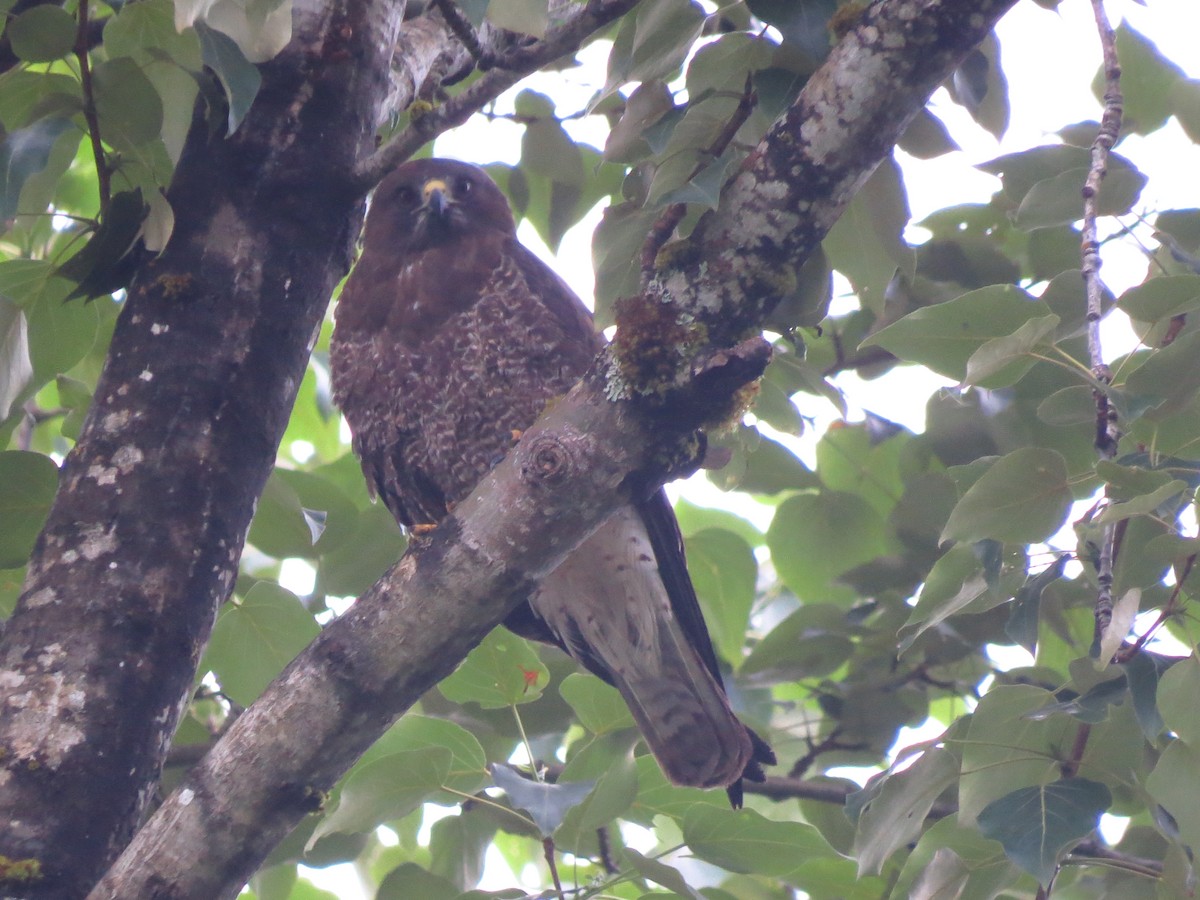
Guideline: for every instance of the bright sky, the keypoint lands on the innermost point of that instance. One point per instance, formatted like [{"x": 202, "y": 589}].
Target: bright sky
[{"x": 1050, "y": 59}]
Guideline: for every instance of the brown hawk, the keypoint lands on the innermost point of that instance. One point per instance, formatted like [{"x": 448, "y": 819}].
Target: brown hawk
[{"x": 451, "y": 337}]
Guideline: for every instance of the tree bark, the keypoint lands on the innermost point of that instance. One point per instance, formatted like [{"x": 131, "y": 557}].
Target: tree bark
[
  {"x": 143, "y": 541},
  {"x": 567, "y": 473}
]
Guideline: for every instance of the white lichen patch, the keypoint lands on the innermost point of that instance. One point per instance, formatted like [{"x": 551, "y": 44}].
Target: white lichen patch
[
  {"x": 102, "y": 474},
  {"x": 158, "y": 328},
  {"x": 40, "y": 729},
  {"x": 97, "y": 541},
  {"x": 51, "y": 655},
  {"x": 115, "y": 421},
  {"x": 46, "y": 595},
  {"x": 146, "y": 375},
  {"x": 10, "y": 679},
  {"x": 127, "y": 457}
]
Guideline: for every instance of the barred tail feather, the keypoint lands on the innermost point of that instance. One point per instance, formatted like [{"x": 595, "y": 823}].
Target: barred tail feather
[{"x": 609, "y": 607}]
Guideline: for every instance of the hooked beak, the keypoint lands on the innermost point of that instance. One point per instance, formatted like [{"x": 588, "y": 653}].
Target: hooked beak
[{"x": 436, "y": 196}]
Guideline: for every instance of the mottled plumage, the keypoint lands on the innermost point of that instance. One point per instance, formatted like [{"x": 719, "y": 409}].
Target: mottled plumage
[{"x": 450, "y": 337}]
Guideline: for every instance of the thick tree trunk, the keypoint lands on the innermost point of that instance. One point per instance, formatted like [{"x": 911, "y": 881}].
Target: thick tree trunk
[{"x": 143, "y": 541}]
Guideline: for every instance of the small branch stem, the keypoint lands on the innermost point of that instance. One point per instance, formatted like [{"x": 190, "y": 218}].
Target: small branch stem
[
  {"x": 548, "y": 848},
  {"x": 465, "y": 32},
  {"x": 664, "y": 225},
  {"x": 103, "y": 175},
  {"x": 560, "y": 40},
  {"x": 1107, "y": 428}
]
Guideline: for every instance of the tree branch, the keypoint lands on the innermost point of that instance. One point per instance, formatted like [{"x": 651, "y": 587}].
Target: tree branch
[
  {"x": 567, "y": 473},
  {"x": 565, "y": 38}
]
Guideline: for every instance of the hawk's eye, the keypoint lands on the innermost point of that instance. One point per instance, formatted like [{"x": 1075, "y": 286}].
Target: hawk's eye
[
  {"x": 464, "y": 186},
  {"x": 406, "y": 195}
]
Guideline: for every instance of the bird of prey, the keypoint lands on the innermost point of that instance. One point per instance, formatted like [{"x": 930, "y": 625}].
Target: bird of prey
[{"x": 450, "y": 338}]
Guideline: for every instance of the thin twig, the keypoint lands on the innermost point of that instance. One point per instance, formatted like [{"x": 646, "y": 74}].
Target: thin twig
[
  {"x": 548, "y": 848},
  {"x": 1107, "y": 427},
  {"x": 604, "y": 852},
  {"x": 1110, "y": 128},
  {"x": 465, "y": 32},
  {"x": 103, "y": 174},
  {"x": 664, "y": 225},
  {"x": 563, "y": 39}
]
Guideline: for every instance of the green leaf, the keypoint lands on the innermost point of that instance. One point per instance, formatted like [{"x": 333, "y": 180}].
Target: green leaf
[
  {"x": 867, "y": 243},
  {"x": 896, "y": 814},
  {"x": 598, "y": 706},
  {"x": 60, "y": 334},
  {"x": 1004, "y": 750},
  {"x": 1003, "y": 361},
  {"x": 409, "y": 880},
  {"x": 980, "y": 87},
  {"x": 128, "y": 106},
  {"x": 1178, "y": 689},
  {"x": 373, "y": 544},
  {"x": 503, "y": 670},
  {"x": 1147, "y": 78},
  {"x": 723, "y": 64},
  {"x": 857, "y": 460},
  {"x": 457, "y": 845},
  {"x": 744, "y": 841},
  {"x": 42, "y": 34},
  {"x": 1057, "y": 200},
  {"x": 953, "y": 585},
  {"x": 1185, "y": 102},
  {"x": 616, "y": 254},
  {"x": 804, "y": 26},
  {"x": 25, "y": 152},
  {"x": 1023, "y": 498},
  {"x": 16, "y": 371},
  {"x": 411, "y": 764},
  {"x": 816, "y": 537},
  {"x": 1072, "y": 405},
  {"x": 151, "y": 24},
  {"x": 1037, "y": 825},
  {"x": 926, "y": 137},
  {"x": 657, "y": 796},
  {"x": 1143, "y": 672},
  {"x": 660, "y": 873},
  {"x": 281, "y": 526},
  {"x": 812, "y": 642},
  {"x": 1092, "y": 706},
  {"x": 525, "y": 16},
  {"x": 1022, "y": 625},
  {"x": 389, "y": 787},
  {"x": 468, "y": 768},
  {"x": 607, "y": 761},
  {"x": 652, "y": 43},
  {"x": 239, "y": 77},
  {"x": 945, "y": 336},
  {"x": 1153, "y": 303},
  {"x": 1169, "y": 379},
  {"x": 254, "y": 638},
  {"x": 1175, "y": 784},
  {"x": 952, "y": 861},
  {"x": 724, "y": 573},
  {"x": 1147, "y": 504},
  {"x": 27, "y": 485}
]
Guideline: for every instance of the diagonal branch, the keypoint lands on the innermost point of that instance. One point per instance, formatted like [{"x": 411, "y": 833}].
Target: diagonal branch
[
  {"x": 567, "y": 473},
  {"x": 563, "y": 39}
]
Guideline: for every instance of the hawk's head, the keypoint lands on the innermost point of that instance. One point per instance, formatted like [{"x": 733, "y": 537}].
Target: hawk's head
[{"x": 429, "y": 202}]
